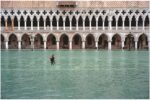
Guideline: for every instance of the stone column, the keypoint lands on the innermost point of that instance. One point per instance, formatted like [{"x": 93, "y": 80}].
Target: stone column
[
  {"x": 143, "y": 24},
  {"x": 96, "y": 44},
  {"x": 64, "y": 25},
  {"x": 57, "y": 45},
  {"x": 31, "y": 24},
  {"x": 12, "y": 24},
  {"x": 103, "y": 26},
  {"x": 122, "y": 44},
  {"x": 44, "y": 44},
  {"x": 38, "y": 25},
  {"x": 57, "y": 25},
  {"x": 83, "y": 24},
  {"x": 117, "y": 25},
  {"x": 44, "y": 24},
  {"x": 18, "y": 24},
  {"x": 77, "y": 25},
  {"x": 109, "y": 45},
  {"x": 135, "y": 45},
  {"x": 136, "y": 24},
  {"x": 70, "y": 25},
  {"x": 83, "y": 44},
  {"x": 19, "y": 44},
  {"x": 70, "y": 45},
  {"x": 6, "y": 26},
  {"x": 90, "y": 24},
  {"x": 110, "y": 21},
  {"x": 123, "y": 25},
  {"x": 129, "y": 24},
  {"x": 51, "y": 25},
  {"x": 149, "y": 45},
  {"x": 96, "y": 24},
  {"x": 25, "y": 24},
  {"x": 6, "y": 44}
]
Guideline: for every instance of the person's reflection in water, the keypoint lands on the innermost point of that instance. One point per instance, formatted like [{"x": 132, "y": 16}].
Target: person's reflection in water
[{"x": 52, "y": 59}]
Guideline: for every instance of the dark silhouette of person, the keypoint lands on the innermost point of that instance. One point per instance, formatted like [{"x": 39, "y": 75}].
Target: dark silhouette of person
[{"x": 52, "y": 59}]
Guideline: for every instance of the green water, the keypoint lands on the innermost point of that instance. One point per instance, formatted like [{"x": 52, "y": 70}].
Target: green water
[{"x": 76, "y": 74}]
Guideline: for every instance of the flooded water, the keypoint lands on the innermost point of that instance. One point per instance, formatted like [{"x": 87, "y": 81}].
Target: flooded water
[{"x": 84, "y": 74}]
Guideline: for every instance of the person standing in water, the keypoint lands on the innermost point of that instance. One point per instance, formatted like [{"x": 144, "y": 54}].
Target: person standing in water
[{"x": 52, "y": 59}]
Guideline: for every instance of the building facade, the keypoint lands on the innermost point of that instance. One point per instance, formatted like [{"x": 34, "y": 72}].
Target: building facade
[{"x": 75, "y": 25}]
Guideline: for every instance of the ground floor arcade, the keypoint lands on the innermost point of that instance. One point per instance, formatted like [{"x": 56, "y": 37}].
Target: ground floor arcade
[{"x": 75, "y": 41}]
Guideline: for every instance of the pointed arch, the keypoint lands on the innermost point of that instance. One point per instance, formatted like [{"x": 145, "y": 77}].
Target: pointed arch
[
  {"x": 93, "y": 21},
  {"x": 28, "y": 22},
  {"x": 13, "y": 42},
  {"x": 127, "y": 21},
  {"x": 80, "y": 21},
  {"x": 47, "y": 21},
  {"x": 77, "y": 42},
  {"x": 67, "y": 21},
  {"x": 41, "y": 22},
  {"x": 34, "y": 21},
  {"x": 73, "y": 21},
  {"x": 140, "y": 21},
  {"x": 15, "y": 21},
  {"x": 100, "y": 21},
  {"x": 2, "y": 21},
  {"x": 133, "y": 21},
  {"x": 146, "y": 21},
  {"x": 120, "y": 21},
  {"x": 54, "y": 21},
  {"x": 129, "y": 42},
  {"x": 90, "y": 42},
  {"x": 25, "y": 41},
  {"x": 87, "y": 22},
  {"x": 103, "y": 41},
  {"x": 113, "y": 21},
  {"x": 22, "y": 21},
  {"x": 143, "y": 42},
  {"x": 64, "y": 42},
  {"x": 116, "y": 42},
  {"x": 60, "y": 21},
  {"x": 38, "y": 41},
  {"x": 9, "y": 22},
  {"x": 51, "y": 42},
  {"x": 106, "y": 21}
]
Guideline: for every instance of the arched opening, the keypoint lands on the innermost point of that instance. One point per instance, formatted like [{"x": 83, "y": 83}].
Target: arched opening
[
  {"x": 77, "y": 42},
  {"x": 113, "y": 21},
  {"x": 47, "y": 21},
  {"x": 34, "y": 21},
  {"x": 64, "y": 42},
  {"x": 51, "y": 42},
  {"x": 22, "y": 21},
  {"x": 116, "y": 42},
  {"x": 129, "y": 42},
  {"x": 13, "y": 42},
  {"x": 100, "y": 21},
  {"x": 146, "y": 21},
  {"x": 60, "y": 21},
  {"x": 133, "y": 22},
  {"x": 127, "y": 21},
  {"x": 90, "y": 42},
  {"x": 2, "y": 42},
  {"x": 28, "y": 22},
  {"x": 67, "y": 22},
  {"x": 80, "y": 21},
  {"x": 54, "y": 21},
  {"x": 87, "y": 21},
  {"x": 15, "y": 21},
  {"x": 25, "y": 42},
  {"x": 93, "y": 21},
  {"x": 140, "y": 21},
  {"x": 38, "y": 41},
  {"x": 2, "y": 21},
  {"x": 74, "y": 21},
  {"x": 143, "y": 42},
  {"x": 106, "y": 21},
  {"x": 9, "y": 22},
  {"x": 103, "y": 42},
  {"x": 41, "y": 23},
  {"x": 120, "y": 21}
]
